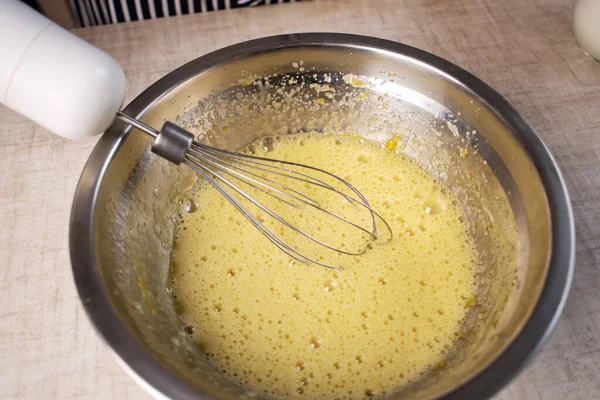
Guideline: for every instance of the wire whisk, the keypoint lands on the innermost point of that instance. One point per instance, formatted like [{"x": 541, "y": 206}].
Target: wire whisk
[{"x": 303, "y": 188}]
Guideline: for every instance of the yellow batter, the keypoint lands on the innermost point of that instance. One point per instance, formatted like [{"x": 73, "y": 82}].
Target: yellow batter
[{"x": 307, "y": 332}]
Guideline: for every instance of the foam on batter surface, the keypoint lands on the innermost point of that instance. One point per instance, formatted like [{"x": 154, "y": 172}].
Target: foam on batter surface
[{"x": 301, "y": 331}]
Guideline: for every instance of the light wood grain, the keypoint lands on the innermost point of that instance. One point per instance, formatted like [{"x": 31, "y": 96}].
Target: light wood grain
[{"x": 524, "y": 49}]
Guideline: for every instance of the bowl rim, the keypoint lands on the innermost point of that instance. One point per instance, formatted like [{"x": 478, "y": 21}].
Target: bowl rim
[{"x": 159, "y": 380}]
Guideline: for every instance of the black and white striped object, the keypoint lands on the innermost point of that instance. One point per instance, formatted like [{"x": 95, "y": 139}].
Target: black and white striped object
[{"x": 102, "y": 12}]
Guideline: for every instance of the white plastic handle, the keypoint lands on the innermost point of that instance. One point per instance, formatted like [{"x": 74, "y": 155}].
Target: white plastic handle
[{"x": 54, "y": 78}]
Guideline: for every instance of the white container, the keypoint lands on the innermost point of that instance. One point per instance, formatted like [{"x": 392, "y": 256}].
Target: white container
[
  {"x": 55, "y": 78},
  {"x": 586, "y": 26}
]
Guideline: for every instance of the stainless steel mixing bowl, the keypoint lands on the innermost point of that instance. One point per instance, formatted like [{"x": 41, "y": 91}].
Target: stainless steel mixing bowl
[{"x": 458, "y": 128}]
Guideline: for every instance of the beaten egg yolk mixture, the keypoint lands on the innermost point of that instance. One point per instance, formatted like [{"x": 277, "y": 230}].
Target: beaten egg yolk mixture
[{"x": 301, "y": 331}]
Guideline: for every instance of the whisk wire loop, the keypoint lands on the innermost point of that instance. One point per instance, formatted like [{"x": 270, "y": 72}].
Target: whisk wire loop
[{"x": 230, "y": 169}]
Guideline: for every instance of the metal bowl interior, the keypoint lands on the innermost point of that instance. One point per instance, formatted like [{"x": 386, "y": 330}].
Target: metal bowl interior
[{"x": 457, "y": 127}]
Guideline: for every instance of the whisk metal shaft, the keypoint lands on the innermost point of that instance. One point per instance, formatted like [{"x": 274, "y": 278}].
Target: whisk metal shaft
[
  {"x": 137, "y": 124},
  {"x": 228, "y": 172}
]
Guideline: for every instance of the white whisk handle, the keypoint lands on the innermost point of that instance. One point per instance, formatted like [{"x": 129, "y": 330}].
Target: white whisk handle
[{"x": 54, "y": 78}]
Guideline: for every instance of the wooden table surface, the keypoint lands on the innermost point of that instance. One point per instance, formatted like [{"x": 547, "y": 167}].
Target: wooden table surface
[{"x": 524, "y": 49}]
